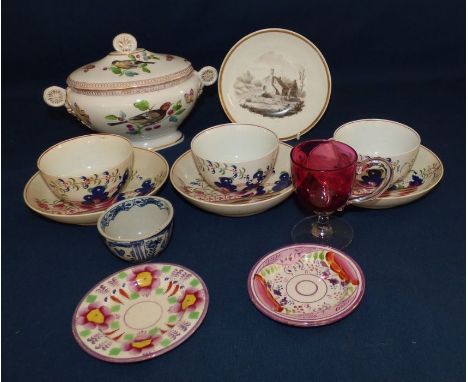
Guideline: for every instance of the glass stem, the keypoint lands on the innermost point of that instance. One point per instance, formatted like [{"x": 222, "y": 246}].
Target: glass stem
[{"x": 322, "y": 228}]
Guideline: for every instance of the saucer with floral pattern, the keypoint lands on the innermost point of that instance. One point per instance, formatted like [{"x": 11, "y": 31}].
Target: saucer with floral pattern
[
  {"x": 425, "y": 174},
  {"x": 306, "y": 285},
  {"x": 189, "y": 183},
  {"x": 140, "y": 312},
  {"x": 150, "y": 171}
]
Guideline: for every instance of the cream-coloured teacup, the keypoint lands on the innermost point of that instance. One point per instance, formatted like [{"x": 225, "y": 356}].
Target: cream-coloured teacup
[
  {"x": 88, "y": 170},
  {"x": 394, "y": 141},
  {"x": 235, "y": 157}
]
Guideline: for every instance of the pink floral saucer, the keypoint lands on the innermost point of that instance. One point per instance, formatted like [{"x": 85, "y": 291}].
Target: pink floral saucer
[
  {"x": 150, "y": 171},
  {"x": 306, "y": 285},
  {"x": 140, "y": 312}
]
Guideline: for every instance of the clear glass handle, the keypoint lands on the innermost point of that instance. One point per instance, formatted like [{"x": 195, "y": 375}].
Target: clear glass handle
[{"x": 384, "y": 185}]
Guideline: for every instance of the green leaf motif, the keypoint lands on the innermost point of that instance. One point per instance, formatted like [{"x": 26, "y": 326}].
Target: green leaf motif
[
  {"x": 177, "y": 106},
  {"x": 180, "y": 111},
  {"x": 321, "y": 256},
  {"x": 145, "y": 69},
  {"x": 91, "y": 298},
  {"x": 132, "y": 57},
  {"x": 114, "y": 351},
  {"x": 172, "y": 300},
  {"x": 142, "y": 105},
  {"x": 172, "y": 319},
  {"x": 129, "y": 73},
  {"x": 116, "y": 70},
  {"x": 195, "y": 282},
  {"x": 159, "y": 291},
  {"x": 115, "y": 308},
  {"x": 194, "y": 315},
  {"x": 128, "y": 337},
  {"x": 85, "y": 333},
  {"x": 111, "y": 117},
  {"x": 122, "y": 275},
  {"x": 134, "y": 296},
  {"x": 166, "y": 269},
  {"x": 115, "y": 325},
  {"x": 165, "y": 342},
  {"x": 153, "y": 331}
]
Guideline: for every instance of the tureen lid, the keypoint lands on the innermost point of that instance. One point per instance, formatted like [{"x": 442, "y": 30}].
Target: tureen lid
[{"x": 129, "y": 67}]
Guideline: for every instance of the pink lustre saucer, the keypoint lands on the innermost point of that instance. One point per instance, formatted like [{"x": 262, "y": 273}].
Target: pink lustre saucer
[
  {"x": 140, "y": 312},
  {"x": 150, "y": 171},
  {"x": 306, "y": 285}
]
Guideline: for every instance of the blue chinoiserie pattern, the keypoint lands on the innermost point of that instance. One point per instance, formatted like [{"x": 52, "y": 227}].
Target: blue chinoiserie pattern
[{"x": 140, "y": 250}]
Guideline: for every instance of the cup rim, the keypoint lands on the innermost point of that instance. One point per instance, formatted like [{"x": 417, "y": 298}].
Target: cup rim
[
  {"x": 275, "y": 148},
  {"x": 344, "y": 125},
  {"x": 156, "y": 231},
  {"x": 41, "y": 156},
  {"x": 318, "y": 170}
]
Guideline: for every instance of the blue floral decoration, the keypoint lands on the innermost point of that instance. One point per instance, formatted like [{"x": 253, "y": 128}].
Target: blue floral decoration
[
  {"x": 98, "y": 195},
  {"x": 283, "y": 182},
  {"x": 415, "y": 181},
  {"x": 372, "y": 178},
  {"x": 146, "y": 187},
  {"x": 225, "y": 182}
]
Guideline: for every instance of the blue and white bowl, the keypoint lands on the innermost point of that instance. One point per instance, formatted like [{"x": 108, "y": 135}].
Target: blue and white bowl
[{"x": 137, "y": 229}]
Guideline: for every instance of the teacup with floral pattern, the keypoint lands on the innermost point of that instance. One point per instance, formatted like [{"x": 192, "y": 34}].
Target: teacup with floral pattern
[
  {"x": 397, "y": 143},
  {"x": 235, "y": 157},
  {"x": 87, "y": 170}
]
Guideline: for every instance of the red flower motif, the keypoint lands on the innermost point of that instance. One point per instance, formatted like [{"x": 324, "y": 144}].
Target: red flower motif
[
  {"x": 144, "y": 279},
  {"x": 95, "y": 316},
  {"x": 188, "y": 302},
  {"x": 141, "y": 343},
  {"x": 42, "y": 205}
]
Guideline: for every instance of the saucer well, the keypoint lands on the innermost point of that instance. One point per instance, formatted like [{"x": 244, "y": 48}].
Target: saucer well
[
  {"x": 140, "y": 312},
  {"x": 275, "y": 78},
  {"x": 306, "y": 285},
  {"x": 426, "y": 173},
  {"x": 150, "y": 171},
  {"x": 188, "y": 182}
]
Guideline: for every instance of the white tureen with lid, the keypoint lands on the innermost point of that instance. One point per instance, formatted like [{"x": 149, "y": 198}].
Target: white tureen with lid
[{"x": 133, "y": 92}]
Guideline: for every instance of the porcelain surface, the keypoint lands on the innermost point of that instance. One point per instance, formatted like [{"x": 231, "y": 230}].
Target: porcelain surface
[
  {"x": 89, "y": 169},
  {"x": 188, "y": 182},
  {"x": 275, "y": 78},
  {"x": 139, "y": 94},
  {"x": 235, "y": 157},
  {"x": 137, "y": 229},
  {"x": 149, "y": 173},
  {"x": 393, "y": 141},
  {"x": 306, "y": 285},
  {"x": 426, "y": 173},
  {"x": 140, "y": 312}
]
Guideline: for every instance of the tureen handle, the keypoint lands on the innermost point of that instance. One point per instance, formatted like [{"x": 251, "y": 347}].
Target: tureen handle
[
  {"x": 208, "y": 75},
  {"x": 55, "y": 96}
]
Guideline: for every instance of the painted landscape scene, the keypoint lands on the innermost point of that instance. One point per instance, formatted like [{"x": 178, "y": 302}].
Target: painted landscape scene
[{"x": 273, "y": 87}]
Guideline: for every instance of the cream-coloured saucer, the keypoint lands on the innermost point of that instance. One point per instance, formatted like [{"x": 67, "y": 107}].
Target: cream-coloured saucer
[
  {"x": 150, "y": 171},
  {"x": 426, "y": 173},
  {"x": 275, "y": 78},
  {"x": 189, "y": 183}
]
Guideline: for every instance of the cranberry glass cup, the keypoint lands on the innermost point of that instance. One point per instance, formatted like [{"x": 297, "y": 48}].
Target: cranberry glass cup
[{"x": 323, "y": 173}]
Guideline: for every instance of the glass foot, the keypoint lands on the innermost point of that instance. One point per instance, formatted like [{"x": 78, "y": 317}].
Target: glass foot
[{"x": 338, "y": 233}]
